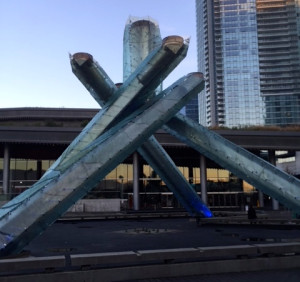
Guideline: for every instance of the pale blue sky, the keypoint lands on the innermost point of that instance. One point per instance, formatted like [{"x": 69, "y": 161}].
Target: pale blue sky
[{"x": 37, "y": 35}]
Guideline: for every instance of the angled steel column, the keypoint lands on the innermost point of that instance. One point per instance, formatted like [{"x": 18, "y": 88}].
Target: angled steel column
[
  {"x": 160, "y": 161},
  {"x": 158, "y": 64},
  {"x": 148, "y": 75},
  {"x": 283, "y": 187},
  {"x": 151, "y": 150},
  {"x": 21, "y": 221},
  {"x": 93, "y": 77},
  {"x": 140, "y": 37}
]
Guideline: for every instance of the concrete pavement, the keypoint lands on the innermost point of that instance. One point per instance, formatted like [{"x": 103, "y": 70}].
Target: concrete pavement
[
  {"x": 131, "y": 234},
  {"x": 144, "y": 231}
]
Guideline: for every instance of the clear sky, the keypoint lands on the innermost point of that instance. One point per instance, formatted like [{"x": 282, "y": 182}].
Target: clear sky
[{"x": 36, "y": 37}]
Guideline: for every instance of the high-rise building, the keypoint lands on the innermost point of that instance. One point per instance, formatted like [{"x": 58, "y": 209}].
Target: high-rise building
[
  {"x": 279, "y": 60},
  {"x": 191, "y": 109},
  {"x": 249, "y": 52}
]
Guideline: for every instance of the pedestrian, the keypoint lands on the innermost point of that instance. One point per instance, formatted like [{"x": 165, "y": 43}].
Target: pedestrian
[{"x": 251, "y": 213}]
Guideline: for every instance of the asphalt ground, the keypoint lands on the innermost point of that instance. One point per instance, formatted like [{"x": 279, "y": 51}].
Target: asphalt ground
[
  {"x": 145, "y": 233},
  {"x": 98, "y": 236}
]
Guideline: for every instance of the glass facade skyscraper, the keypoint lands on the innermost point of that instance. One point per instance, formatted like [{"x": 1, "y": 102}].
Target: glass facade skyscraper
[
  {"x": 191, "y": 109},
  {"x": 278, "y": 41},
  {"x": 249, "y": 53}
]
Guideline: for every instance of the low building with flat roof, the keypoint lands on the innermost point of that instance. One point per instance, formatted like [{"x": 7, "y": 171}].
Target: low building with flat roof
[{"x": 31, "y": 139}]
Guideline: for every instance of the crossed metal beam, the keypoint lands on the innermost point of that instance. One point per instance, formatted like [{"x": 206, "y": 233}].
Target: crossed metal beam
[
  {"x": 100, "y": 86},
  {"x": 130, "y": 116},
  {"x": 261, "y": 174}
]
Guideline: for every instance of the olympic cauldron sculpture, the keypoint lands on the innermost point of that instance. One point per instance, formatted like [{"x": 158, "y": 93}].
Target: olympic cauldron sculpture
[{"x": 129, "y": 117}]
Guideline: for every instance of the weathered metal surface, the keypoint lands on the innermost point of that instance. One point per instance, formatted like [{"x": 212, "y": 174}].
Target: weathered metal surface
[
  {"x": 151, "y": 150},
  {"x": 35, "y": 209},
  {"x": 159, "y": 160},
  {"x": 141, "y": 36},
  {"x": 129, "y": 117},
  {"x": 157, "y": 65},
  {"x": 262, "y": 175},
  {"x": 93, "y": 77},
  {"x": 149, "y": 74}
]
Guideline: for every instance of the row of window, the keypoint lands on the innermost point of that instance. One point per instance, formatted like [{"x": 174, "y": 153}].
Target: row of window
[
  {"x": 24, "y": 173},
  {"x": 19, "y": 168}
]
